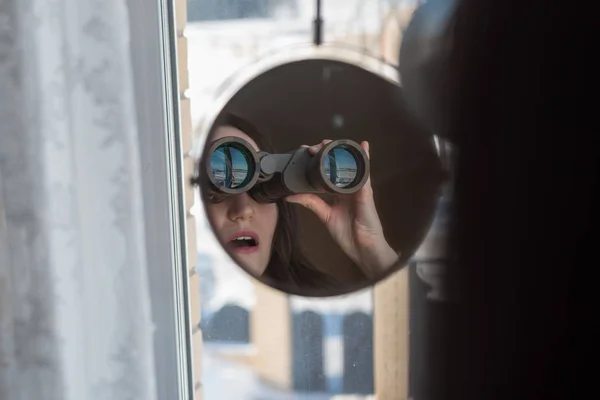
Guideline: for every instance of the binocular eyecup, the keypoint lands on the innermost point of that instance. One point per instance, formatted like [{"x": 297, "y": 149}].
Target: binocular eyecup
[{"x": 231, "y": 166}]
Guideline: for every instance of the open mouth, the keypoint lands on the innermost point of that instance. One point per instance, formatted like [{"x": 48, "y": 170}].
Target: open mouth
[{"x": 244, "y": 241}]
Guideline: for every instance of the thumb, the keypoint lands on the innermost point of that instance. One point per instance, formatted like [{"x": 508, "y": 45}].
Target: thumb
[{"x": 313, "y": 203}]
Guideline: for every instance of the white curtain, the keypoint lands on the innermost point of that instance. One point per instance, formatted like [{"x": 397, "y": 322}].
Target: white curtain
[{"x": 75, "y": 319}]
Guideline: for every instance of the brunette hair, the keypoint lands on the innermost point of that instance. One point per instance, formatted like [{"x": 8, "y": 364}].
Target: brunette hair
[{"x": 288, "y": 265}]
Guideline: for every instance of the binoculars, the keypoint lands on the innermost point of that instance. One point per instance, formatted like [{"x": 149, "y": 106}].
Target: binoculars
[{"x": 231, "y": 166}]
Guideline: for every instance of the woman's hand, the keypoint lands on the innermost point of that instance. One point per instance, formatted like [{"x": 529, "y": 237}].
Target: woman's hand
[{"x": 353, "y": 223}]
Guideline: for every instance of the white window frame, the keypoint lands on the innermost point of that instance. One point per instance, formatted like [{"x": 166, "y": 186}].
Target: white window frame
[{"x": 154, "y": 60}]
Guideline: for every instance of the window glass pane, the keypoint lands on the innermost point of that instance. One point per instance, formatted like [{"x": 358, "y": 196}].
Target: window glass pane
[{"x": 260, "y": 343}]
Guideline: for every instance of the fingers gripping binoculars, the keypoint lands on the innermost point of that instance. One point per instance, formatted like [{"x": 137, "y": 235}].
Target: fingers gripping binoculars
[{"x": 232, "y": 166}]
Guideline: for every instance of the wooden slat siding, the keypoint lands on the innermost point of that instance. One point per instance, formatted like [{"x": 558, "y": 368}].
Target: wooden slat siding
[
  {"x": 182, "y": 58},
  {"x": 273, "y": 359},
  {"x": 391, "y": 319},
  {"x": 192, "y": 253},
  {"x": 186, "y": 125}
]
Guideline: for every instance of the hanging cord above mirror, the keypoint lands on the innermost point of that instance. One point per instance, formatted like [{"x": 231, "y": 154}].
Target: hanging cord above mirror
[{"x": 318, "y": 25}]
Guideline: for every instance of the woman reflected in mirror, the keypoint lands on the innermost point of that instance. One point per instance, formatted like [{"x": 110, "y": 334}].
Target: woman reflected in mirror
[{"x": 263, "y": 237}]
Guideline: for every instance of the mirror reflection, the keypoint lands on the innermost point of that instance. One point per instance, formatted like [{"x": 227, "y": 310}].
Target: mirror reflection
[
  {"x": 229, "y": 167},
  {"x": 340, "y": 167},
  {"x": 253, "y": 209},
  {"x": 303, "y": 164}
]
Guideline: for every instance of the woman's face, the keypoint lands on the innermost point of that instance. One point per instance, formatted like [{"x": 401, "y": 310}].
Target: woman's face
[{"x": 244, "y": 226}]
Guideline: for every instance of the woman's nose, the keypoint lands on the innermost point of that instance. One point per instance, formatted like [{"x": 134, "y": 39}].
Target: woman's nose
[{"x": 241, "y": 207}]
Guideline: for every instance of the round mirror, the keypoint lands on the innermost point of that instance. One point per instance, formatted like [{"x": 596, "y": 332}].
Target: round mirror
[{"x": 315, "y": 177}]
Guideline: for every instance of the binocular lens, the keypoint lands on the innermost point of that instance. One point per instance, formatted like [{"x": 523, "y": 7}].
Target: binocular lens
[
  {"x": 231, "y": 167},
  {"x": 340, "y": 167}
]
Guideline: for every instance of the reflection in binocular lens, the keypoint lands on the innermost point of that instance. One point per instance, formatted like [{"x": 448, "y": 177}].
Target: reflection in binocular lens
[
  {"x": 229, "y": 167},
  {"x": 340, "y": 167}
]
